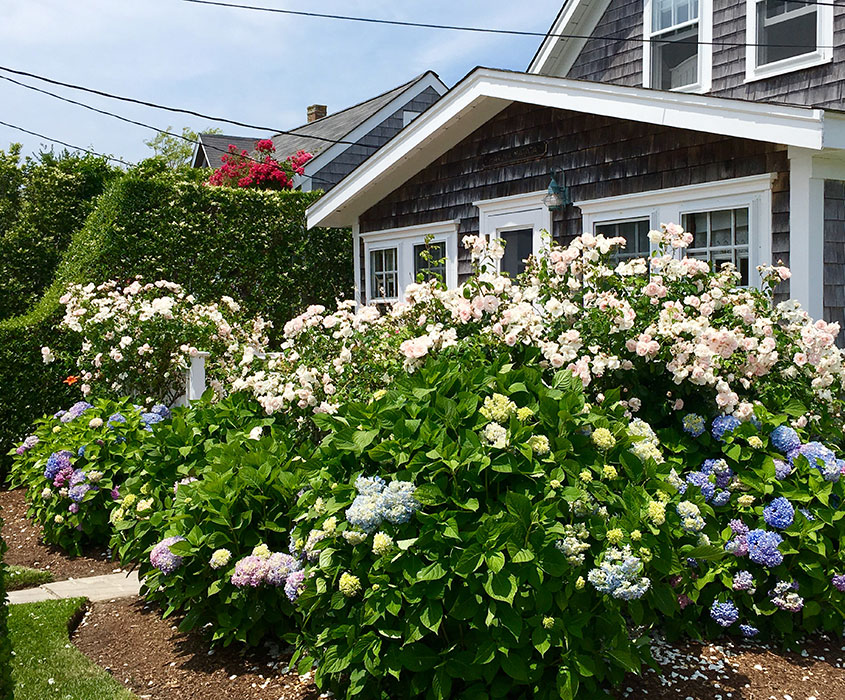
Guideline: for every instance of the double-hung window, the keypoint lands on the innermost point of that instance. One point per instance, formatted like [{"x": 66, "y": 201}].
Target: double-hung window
[
  {"x": 395, "y": 258},
  {"x": 787, "y": 35},
  {"x": 720, "y": 236},
  {"x": 634, "y": 231},
  {"x": 676, "y": 52}
]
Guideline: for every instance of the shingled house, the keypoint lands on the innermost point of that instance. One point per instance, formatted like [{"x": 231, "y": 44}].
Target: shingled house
[
  {"x": 718, "y": 115},
  {"x": 362, "y": 129}
]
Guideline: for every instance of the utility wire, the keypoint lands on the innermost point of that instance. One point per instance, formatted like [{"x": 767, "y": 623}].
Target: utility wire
[
  {"x": 509, "y": 32},
  {"x": 144, "y": 103},
  {"x": 64, "y": 143}
]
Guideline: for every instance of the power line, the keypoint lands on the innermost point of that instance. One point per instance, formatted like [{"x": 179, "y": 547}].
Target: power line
[
  {"x": 180, "y": 110},
  {"x": 64, "y": 143},
  {"x": 508, "y": 32}
]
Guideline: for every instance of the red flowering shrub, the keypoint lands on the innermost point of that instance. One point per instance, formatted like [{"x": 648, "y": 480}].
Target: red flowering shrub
[{"x": 262, "y": 172}]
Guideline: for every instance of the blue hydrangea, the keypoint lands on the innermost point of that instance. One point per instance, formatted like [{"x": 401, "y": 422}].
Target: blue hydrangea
[
  {"x": 377, "y": 501},
  {"x": 619, "y": 575},
  {"x": 367, "y": 485},
  {"x": 743, "y": 581},
  {"x": 116, "y": 419},
  {"x": 56, "y": 462},
  {"x": 784, "y": 439},
  {"x": 724, "y": 613},
  {"x": 77, "y": 477},
  {"x": 703, "y": 482},
  {"x": 763, "y": 547},
  {"x": 363, "y": 513},
  {"x": 81, "y": 451},
  {"x": 779, "y": 513},
  {"x": 150, "y": 419},
  {"x": 723, "y": 425},
  {"x": 806, "y": 513},
  {"x": 77, "y": 493},
  {"x": 161, "y": 410},
  {"x": 75, "y": 411},
  {"x": 782, "y": 469},
  {"x": 694, "y": 424},
  {"x": 749, "y": 631},
  {"x": 722, "y": 498},
  {"x": 397, "y": 503},
  {"x": 820, "y": 457}
]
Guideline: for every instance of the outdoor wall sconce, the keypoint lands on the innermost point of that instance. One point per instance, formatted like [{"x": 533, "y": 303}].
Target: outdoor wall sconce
[{"x": 558, "y": 197}]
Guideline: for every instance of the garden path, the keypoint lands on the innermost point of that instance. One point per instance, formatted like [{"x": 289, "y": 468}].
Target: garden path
[{"x": 94, "y": 588}]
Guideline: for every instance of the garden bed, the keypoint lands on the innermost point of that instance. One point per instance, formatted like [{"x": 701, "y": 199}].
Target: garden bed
[
  {"x": 154, "y": 660},
  {"x": 26, "y": 547}
]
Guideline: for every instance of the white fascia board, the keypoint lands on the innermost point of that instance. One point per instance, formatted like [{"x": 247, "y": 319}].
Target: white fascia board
[
  {"x": 558, "y": 53},
  {"x": 430, "y": 79},
  {"x": 834, "y": 130},
  {"x": 486, "y": 92}
]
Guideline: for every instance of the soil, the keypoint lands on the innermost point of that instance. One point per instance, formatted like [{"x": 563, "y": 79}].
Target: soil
[
  {"x": 740, "y": 670},
  {"x": 156, "y": 662},
  {"x": 27, "y": 549}
]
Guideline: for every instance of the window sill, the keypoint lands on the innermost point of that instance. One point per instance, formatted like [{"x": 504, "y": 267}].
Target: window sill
[{"x": 788, "y": 65}]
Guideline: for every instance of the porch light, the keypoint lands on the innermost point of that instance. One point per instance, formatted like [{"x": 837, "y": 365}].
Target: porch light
[{"x": 558, "y": 196}]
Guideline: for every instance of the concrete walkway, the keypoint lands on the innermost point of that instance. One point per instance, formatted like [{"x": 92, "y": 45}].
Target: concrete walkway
[{"x": 94, "y": 588}]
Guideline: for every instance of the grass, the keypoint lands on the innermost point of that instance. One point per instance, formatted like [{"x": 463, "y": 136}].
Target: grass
[
  {"x": 46, "y": 664},
  {"x": 18, "y": 577}
]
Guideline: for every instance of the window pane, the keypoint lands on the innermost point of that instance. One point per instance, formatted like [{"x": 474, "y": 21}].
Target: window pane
[
  {"x": 675, "y": 59},
  {"x": 784, "y": 29},
  {"x": 720, "y": 236},
  {"x": 635, "y": 233},
  {"x": 436, "y": 262},
  {"x": 721, "y": 228},
  {"x": 384, "y": 273},
  {"x": 518, "y": 246},
  {"x": 670, "y": 13}
]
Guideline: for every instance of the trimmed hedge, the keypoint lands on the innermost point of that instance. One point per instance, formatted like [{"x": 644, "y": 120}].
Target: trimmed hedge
[
  {"x": 251, "y": 245},
  {"x": 6, "y": 687}
]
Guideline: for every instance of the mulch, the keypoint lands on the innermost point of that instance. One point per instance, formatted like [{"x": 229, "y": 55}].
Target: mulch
[
  {"x": 150, "y": 657},
  {"x": 26, "y": 547}
]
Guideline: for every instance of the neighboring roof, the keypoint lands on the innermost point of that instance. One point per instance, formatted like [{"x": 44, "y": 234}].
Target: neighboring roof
[
  {"x": 485, "y": 92},
  {"x": 576, "y": 20},
  {"x": 215, "y": 146},
  {"x": 338, "y": 125}
]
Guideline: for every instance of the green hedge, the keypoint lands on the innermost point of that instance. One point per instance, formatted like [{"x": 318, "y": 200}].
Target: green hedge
[
  {"x": 6, "y": 689},
  {"x": 248, "y": 244}
]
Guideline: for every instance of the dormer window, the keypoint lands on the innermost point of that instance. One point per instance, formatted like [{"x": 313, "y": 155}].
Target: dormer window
[
  {"x": 676, "y": 55},
  {"x": 787, "y": 35}
]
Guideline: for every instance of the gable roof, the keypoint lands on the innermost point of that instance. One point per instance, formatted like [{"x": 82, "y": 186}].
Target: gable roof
[
  {"x": 486, "y": 92},
  {"x": 214, "y": 146},
  {"x": 338, "y": 125},
  {"x": 568, "y": 34}
]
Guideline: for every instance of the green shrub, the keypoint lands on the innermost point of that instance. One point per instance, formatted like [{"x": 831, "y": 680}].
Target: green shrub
[
  {"x": 473, "y": 596},
  {"x": 73, "y": 464},
  {"x": 6, "y": 686},
  {"x": 214, "y": 241},
  {"x": 225, "y": 489}
]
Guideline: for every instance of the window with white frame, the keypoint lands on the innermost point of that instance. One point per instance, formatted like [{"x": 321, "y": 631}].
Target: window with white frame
[
  {"x": 519, "y": 222},
  {"x": 787, "y": 35},
  {"x": 676, "y": 51},
  {"x": 394, "y": 258},
  {"x": 730, "y": 220},
  {"x": 635, "y": 233}
]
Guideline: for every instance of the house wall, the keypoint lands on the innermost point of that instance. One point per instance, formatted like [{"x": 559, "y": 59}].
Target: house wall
[
  {"x": 834, "y": 253},
  {"x": 333, "y": 172},
  {"x": 601, "y": 157},
  {"x": 622, "y": 63}
]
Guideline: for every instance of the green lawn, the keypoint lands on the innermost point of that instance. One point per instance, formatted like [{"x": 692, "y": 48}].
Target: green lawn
[
  {"x": 46, "y": 664},
  {"x": 18, "y": 577}
]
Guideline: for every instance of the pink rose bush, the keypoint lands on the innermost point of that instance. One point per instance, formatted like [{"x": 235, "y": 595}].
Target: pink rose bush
[
  {"x": 260, "y": 170},
  {"x": 138, "y": 338}
]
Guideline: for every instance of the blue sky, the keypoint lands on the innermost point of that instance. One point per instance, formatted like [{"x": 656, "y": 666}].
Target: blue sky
[{"x": 254, "y": 67}]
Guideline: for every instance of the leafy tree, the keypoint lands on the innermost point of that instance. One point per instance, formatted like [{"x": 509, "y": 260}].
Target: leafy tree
[{"x": 174, "y": 150}]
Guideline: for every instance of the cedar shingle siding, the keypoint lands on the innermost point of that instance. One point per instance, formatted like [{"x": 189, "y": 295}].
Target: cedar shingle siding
[
  {"x": 601, "y": 156},
  {"x": 834, "y": 252},
  {"x": 621, "y": 63}
]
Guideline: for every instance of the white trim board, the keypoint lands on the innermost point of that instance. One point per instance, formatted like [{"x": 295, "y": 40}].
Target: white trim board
[
  {"x": 521, "y": 211},
  {"x": 486, "y": 92},
  {"x": 557, "y": 54}
]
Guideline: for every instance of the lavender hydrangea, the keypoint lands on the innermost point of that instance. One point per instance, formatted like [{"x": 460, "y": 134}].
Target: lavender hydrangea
[
  {"x": 295, "y": 585},
  {"x": 163, "y": 559},
  {"x": 722, "y": 498},
  {"x": 150, "y": 419},
  {"x": 249, "y": 571},
  {"x": 763, "y": 547},
  {"x": 56, "y": 462},
  {"x": 784, "y": 596},
  {"x": 161, "y": 410},
  {"x": 77, "y": 493},
  {"x": 838, "y": 582},
  {"x": 738, "y": 546},
  {"x": 75, "y": 411},
  {"x": 702, "y": 481},
  {"x": 27, "y": 444},
  {"x": 279, "y": 567},
  {"x": 779, "y": 513},
  {"x": 743, "y": 581},
  {"x": 725, "y": 613},
  {"x": 723, "y": 425},
  {"x": 784, "y": 439},
  {"x": 782, "y": 469},
  {"x": 116, "y": 419},
  {"x": 748, "y": 631},
  {"x": 738, "y": 527}
]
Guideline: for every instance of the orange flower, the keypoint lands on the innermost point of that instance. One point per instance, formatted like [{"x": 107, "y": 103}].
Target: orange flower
[{"x": 71, "y": 380}]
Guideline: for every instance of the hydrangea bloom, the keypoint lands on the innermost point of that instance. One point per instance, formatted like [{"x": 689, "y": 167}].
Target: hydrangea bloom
[
  {"x": 619, "y": 575},
  {"x": 646, "y": 445},
  {"x": 723, "y": 425},
  {"x": 220, "y": 558},
  {"x": 249, "y": 571},
  {"x": 496, "y": 435},
  {"x": 743, "y": 581},
  {"x": 724, "y": 613},
  {"x": 150, "y": 419},
  {"x": 782, "y": 469},
  {"x": 691, "y": 519},
  {"x": 279, "y": 567},
  {"x": 295, "y": 585},
  {"x": 56, "y": 462},
  {"x": 694, "y": 424},
  {"x": 722, "y": 498},
  {"x": 27, "y": 444},
  {"x": 498, "y": 408},
  {"x": 748, "y": 630},
  {"x": 363, "y": 513},
  {"x": 603, "y": 439},
  {"x": 820, "y": 457},
  {"x": 75, "y": 411},
  {"x": 738, "y": 527},
  {"x": 763, "y": 547},
  {"x": 779, "y": 513},
  {"x": 116, "y": 419},
  {"x": 539, "y": 445},
  {"x": 784, "y": 439},
  {"x": 382, "y": 544},
  {"x": 349, "y": 585},
  {"x": 397, "y": 503},
  {"x": 785, "y": 597},
  {"x": 309, "y": 549},
  {"x": 163, "y": 559},
  {"x": 161, "y": 410},
  {"x": 838, "y": 582},
  {"x": 573, "y": 545},
  {"x": 78, "y": 491},
  {"x": 702, "y": 481}
]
